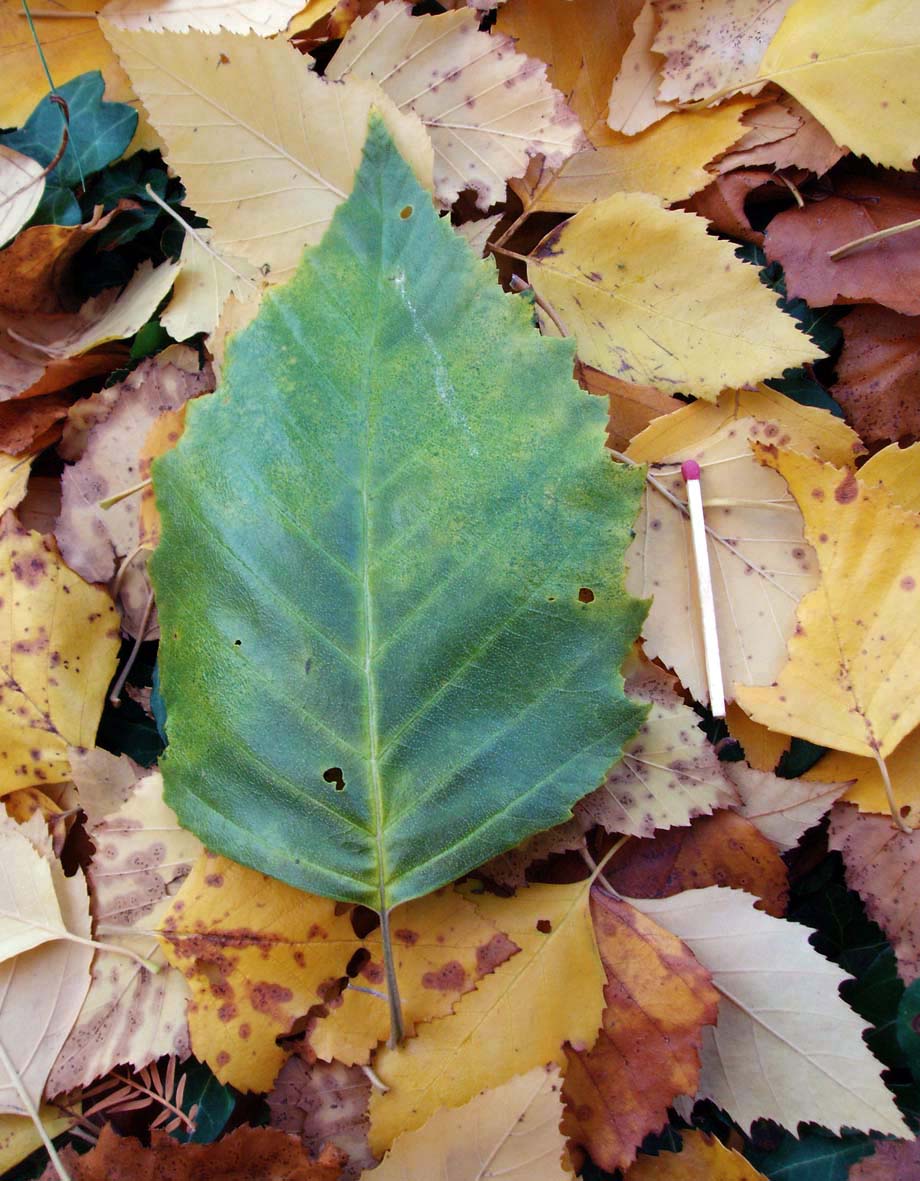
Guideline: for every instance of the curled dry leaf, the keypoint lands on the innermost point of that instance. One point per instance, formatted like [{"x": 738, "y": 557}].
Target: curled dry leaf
[
  {"x": 724, "y": 849},
  {"x": 22, "y": 182},
  {"x": 657, "y": 999},
  {"x": 724, "y": 201},
  {"x": 131, "y": 1015},
  {"x": 614, "y": 274},
  {"x": 701, "y": 1158},
  {"x": 264, "y": 17},
  {"x": 31, "y": 425},
  {"x": 808, "y": 145},
  {"x": 668, "y": 773},
  {"x": 878, "y": 373},
  {"x": 768, "y": 1056},
  {"x": 885, "y": 272},
  {"x": 58, "y": 650},
  {"x": 883, "y": 867},
  {"x": 324, "y": 1103},
  {"x": 246, "y": 1154},
  {"x": 486, "y": 108},
  {"x": 782, "y": 809},
  {"x": 216, "y": 117},
  {"x": 556, "y": 979}
]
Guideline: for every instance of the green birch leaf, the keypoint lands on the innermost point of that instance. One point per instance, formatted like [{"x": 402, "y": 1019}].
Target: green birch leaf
[{"x": 390, "y": 576}]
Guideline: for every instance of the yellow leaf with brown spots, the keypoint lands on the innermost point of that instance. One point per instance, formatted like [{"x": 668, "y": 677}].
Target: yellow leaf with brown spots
[
  {"x": 702, "y": 1158},
  {"x": 852, "y": 681},
  {"x": 868, "y": 788},
  {"x": 163, "y": 435},
  {"x": 658, "y": 997},
  {"x": 58, "y": 649},
  {"x": 519, "y": 1017},
  {"x": 258, "y": 954}
]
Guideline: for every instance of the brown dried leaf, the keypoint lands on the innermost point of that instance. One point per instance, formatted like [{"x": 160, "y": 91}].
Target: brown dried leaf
[
  {"x": 723, "y": 202},
  {"x": 886, "y": 272},
  {"x": 883, "y": 866},
  {"x": 893, "y": 1160},
  {"x": 632, "y": 407},
  {"x": 878, "y": 374},
  {"x": 719, "y": 850},
  {"x": 658, "y": 998},
  {"x": 31, "y": 424}
]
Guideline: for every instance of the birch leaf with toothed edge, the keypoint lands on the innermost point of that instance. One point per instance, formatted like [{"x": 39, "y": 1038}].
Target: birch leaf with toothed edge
[{"x": 380, "y": 655}]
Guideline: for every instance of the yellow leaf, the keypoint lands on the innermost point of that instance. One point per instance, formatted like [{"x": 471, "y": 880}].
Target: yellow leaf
[
  {"x": 519, "y": 1017},
  {"x": 702, "y": 1158},
  {"x": 511, "y": 1132},
  {"x": 14, "y": 479},
  {"x": 859, "y": 76},
  {"x": 71, "y": 47},
  {"x": 58, "y": 648},
  {"x": 208, "y": 16},
  {"x": 852, "y": 681},
  {"x": 288, "y": 165},
  {"x": 713, "y": 45},
  {"x": 22, "y": 182},
  {"x": 763, "y": 748},
  {"x": 868, "y": 790},
  {"x": 651, "y": 298},
  {"x": 206, "y": 280},
  {"x": 442, "y": 946},
  {"x": 487, "y": 108},
  {"x": 19, "y": 1139},
  {"x": 898, "y": 468},
  {"x": 259, "y": 954},
  {"x": 30, "y": 913}
]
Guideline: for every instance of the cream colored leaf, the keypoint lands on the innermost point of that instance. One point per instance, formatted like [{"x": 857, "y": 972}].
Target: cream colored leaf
[
  {"x": 203, "y": 286},
  {"x": 14, "y": 479},
  {"x": 713, "y": 45},
  {"x": 264, "y": 17},
  {"x": 634, "y": 103},
  {"x": 786, "y": 1047},
  {"x": 668, "y": 773},
  {"x": 860, "y": 76},
  {"x": 517, "y": 1018},
  {"x": 267, "y": 150},
  {"x": 511, "y": 1132},
  {"x": 769, "y": 140},
  {"x": 130, "y": 1014},
  {"x": 40, "y": 996},
  {"x": 651, "y": 298},
  {"x": 487, "y": 108},
  {"x": 781, "y": 808},
  {"x": 22, "y": 182},
  {"x": 30, "y": 913},
  {"x": 476, "y": 234},
  {"x": 104, "y": 781}
]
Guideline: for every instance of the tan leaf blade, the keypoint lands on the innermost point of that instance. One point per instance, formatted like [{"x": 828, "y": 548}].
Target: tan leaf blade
[
  {"x": 771, "y": 1056},
  {"x": 22, "y": 182},
  {"x": 782, "y": 809},
  {"x": 30, "y": 913},
  {"x": 487, "y": 108},
  {"x": 288, "y": 163}
]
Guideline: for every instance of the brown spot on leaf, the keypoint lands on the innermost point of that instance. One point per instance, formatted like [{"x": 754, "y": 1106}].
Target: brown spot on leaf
[
  {"x": 450, "y": 977},
  {"x": 496, "y": 951},
  {"x": 847, "y": 490},
  {"x": 405, "y": 936}
]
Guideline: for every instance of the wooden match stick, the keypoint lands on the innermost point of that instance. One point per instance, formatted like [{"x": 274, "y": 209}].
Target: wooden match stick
[{"x": 690, "y": 470}]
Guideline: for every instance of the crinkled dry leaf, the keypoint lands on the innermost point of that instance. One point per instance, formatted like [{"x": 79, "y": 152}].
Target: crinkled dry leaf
[
  {"x": 657, "y": 999},
  {"x": 58, "y": 648},
  {"x": 667, "y": 774},
  {"x": 511, "y": 1131},
  {"x": 288, "y": 166},
  {"x": 883, "y": 867},
  {"x": 616, "y": 272},
  {"x": 770, "y": 1057},
  {"x": 556, "y": 979},
  {"x": 487, "y": 108},
  {"x": 22, "y": 182}
]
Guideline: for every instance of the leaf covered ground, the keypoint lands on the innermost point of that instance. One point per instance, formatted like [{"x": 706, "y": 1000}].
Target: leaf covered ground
[{"x": 366, "y": 814}]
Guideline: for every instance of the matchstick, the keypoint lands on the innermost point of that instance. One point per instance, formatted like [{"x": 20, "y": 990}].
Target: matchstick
[{"x": 690, "y": 470}]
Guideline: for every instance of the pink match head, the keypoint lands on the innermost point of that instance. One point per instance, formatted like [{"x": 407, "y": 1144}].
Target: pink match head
[{"x": 690, "y": 469}]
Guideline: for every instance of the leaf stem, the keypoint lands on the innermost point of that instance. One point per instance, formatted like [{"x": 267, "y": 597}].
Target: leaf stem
[
  {"x": 397, "y": 1029},
  {"x": 867, "y": 239},
  {"x": 54, "y": 96},
  {"x": 26, "y": 1099},
  {"x": 889, "y": 792}
]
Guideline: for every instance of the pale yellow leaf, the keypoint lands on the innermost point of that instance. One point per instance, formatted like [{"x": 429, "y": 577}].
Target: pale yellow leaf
[
  {"x": 14, "y": 479},
  {"x": 22, "y": 182},
  {"x": 511, "y": 1132},
  {"x": 781, "y": 808},
  {"x": 206, "y": 280},
  {"x": 19, "y": 1137},
  {"x": 487, "y": 108},
  {"x": 651, "y": 298},
  {"x": 852, "y": 681},
  {"x": 634, "y": 103},
  {"x": 713, "y": 45},
  {"x": 131, "y": 1015},
  {"x": 667, "y": 774},
  {"x": 58, "y": 648},
  {"x": 859, "y": 76},
  {"x": 30, "y": 913},
  {"x": 476, "y": 234},
  {"x": 264, "y": 17},
  {"x": 517, "y": 1018},
  {"x": 266, "y": 149},
  {"x": 786, "y": 1046},
  {"x": 104, "y": 781}
]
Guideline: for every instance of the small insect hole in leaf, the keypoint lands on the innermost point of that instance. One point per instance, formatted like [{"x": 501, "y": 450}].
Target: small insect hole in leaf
[
  {"x": 406, "y": 212},
  {"x": 586, "y": 595},
  {"x": 334, "y": 776},
  {"x": 551, "y": 598},
  {"x": 237, "y": 643}
]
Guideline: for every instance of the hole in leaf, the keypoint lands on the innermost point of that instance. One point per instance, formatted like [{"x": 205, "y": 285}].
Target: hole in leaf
[
  {"x": 357, "y": 962},
  {"x": 406, "y": 212},
  {"x": 551, "y": 598},
  {"x": 334, "y": 776},
  {"x": 544, "y": 926},
  {"x": 237, "y": 643},
  {"x": 905, "y": 810},
  {"x": 586, "y": 595}
]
